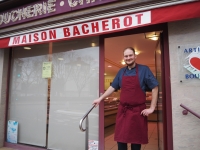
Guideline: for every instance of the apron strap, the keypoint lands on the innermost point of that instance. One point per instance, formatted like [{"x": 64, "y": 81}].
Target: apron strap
[{"x": 129, "y": 107}]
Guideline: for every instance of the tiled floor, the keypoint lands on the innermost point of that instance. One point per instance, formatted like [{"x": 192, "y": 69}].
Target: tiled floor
[{"x": 110, "y": 144}]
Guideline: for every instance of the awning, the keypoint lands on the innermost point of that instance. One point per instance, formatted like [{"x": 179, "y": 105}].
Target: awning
[{"x": 108, "y": 25}]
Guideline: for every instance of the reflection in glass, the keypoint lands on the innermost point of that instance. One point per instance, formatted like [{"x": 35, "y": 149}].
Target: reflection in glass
[
  {"x": 28, "y": 94},
  {"x": 74, "y": 85}
]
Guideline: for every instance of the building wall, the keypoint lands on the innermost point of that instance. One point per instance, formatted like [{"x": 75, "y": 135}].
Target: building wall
[
  {"x": 3, "y": 90},
  {"x": 186, "y": 133}
]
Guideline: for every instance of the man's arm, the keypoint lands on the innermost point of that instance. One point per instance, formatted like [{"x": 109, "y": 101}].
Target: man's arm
[
  {"x": 154, "y": 98},
  {"x": 150, "y": 110},
  {"x": 106, "y": 94}
]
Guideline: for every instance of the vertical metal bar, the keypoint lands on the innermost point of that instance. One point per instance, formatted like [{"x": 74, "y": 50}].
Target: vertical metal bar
[
  {"x": 86, "y": 130},
  {"x": 86, "y": 133},
  {"x": 48, "y": 93}
]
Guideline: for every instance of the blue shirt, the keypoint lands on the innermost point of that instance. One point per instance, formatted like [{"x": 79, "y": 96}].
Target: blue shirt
[{"x": 146, "y": 77}]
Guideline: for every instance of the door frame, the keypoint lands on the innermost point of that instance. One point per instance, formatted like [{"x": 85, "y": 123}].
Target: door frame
[{"x": 166, "y": 86}]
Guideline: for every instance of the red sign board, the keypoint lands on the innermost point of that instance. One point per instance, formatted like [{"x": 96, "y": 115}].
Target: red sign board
[
  {"x": 84, "y": 29},
  {"x": 114, "y": 24}
]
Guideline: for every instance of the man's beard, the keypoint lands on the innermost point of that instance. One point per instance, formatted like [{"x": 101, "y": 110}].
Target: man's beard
[{"x": 131, "y": 64}]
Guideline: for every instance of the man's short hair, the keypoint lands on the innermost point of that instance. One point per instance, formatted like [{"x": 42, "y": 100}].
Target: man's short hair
[{"x": 131, "y": 48}]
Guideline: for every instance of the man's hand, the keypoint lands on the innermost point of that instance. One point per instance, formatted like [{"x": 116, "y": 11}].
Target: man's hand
[
  {"x": 150, "y": 110},
  {"x": 146, "y": 112},
  {"x": 96, "y": 102}
]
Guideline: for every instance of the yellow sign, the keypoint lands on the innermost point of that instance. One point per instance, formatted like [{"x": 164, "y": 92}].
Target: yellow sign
[{"x": 46, "y": 69}]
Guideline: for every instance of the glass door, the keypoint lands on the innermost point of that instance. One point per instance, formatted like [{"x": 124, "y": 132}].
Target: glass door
[
  {"x": 74, "y": 86},
  {"x": 28, "y": 94},
  {"x": 160, "y": 100}
]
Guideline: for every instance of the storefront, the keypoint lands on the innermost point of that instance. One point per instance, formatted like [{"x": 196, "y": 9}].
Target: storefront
[{"x": 51, "y": 72}]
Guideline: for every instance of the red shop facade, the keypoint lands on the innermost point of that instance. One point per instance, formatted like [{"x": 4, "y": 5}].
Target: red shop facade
[{"x": 70, "y": 38}]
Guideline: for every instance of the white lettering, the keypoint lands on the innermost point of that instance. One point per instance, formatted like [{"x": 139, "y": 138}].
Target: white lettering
[
  {"x": 23, "y": 13},
  {"x": 75, "y": 3},
  {"x": 6, "y": 17},
  {"x": 1, "y": 19},
  {"x": 38, "y": 9},
  {"x": 50, "y": 6},
  {"x": 28, "y": 12},
  {"x": 19, "y": 12},
  {"x": 44, "y": 7},
  {"x": 14, "y": 15},
  {"x": 88, "y": 1}
]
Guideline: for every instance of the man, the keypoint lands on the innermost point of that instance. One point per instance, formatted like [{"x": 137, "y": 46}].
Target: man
[{"x": 131, "y": 120}]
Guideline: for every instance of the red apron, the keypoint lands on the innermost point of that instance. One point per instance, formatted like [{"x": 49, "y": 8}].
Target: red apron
[{"x": 131, "y": 126}]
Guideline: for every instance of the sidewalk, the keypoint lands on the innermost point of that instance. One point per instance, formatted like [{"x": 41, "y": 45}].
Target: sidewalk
[{"x": 5, "y": 148}]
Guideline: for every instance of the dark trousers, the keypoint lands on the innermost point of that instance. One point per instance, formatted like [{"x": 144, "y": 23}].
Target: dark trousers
[{"x": 123, "y": 146}]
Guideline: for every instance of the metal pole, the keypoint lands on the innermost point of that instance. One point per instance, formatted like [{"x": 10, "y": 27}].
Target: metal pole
[
  {"x": 86, "y": 130},
  {"x": 87, "y": 133},
  {"x": 191, "y": 111}
]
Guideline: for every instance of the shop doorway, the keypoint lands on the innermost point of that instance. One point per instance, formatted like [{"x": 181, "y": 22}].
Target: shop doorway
[{"x": 148, "y": 53}]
